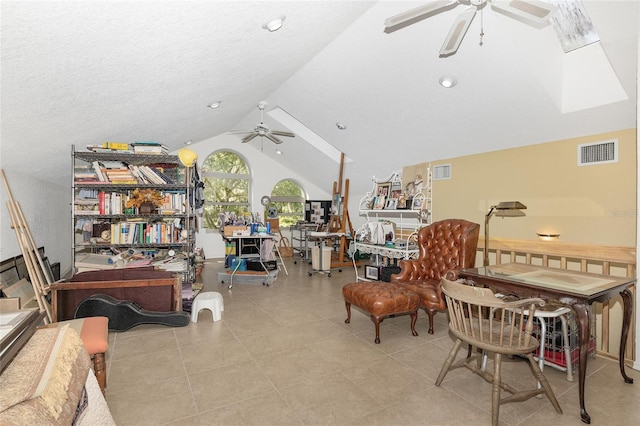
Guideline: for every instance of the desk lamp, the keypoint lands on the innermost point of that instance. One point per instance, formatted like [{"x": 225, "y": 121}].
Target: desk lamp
[{"x": 504, "y": 208}]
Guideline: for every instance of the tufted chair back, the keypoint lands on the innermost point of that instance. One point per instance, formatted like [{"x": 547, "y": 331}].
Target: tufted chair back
[
  {"x": 444, "y": 248},
  {"x": 445, "y": 245}
]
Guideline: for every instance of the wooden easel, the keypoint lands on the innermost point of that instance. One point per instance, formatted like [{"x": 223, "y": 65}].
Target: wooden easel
[
  {"x": 340, "y": 222},
  {"x": 35, "y": 265}
]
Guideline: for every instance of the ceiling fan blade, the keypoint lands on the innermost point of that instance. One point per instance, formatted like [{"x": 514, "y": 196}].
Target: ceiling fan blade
[
  {"x": 417, "y": 14},
  {"x": 457, "y": 32},
  {"x": 533, "y": 12},
  {"x": 249, "y": 137},
  {"x": 283, "y": 133},
  {"x": 273, "y": 138},
  {"x": 239, "y": 132}
]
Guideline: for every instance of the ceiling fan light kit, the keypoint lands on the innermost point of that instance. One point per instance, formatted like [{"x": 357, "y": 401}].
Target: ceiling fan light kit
[
  {"x": 533, "y": 12},
  {"x": 263, "y": 130}
]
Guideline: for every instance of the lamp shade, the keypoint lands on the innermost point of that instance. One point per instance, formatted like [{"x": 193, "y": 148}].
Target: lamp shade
[{"x": 187, "y": 157}]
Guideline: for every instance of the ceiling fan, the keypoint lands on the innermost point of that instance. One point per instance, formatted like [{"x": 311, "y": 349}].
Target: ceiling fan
[
  {"x": 532, "y": 12},
  {"x": 262, "y": 129}
]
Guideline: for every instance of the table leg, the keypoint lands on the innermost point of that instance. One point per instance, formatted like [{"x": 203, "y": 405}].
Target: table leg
[
  {"x": 582, "y": 316},
  {"x": 626, "y": 321}
]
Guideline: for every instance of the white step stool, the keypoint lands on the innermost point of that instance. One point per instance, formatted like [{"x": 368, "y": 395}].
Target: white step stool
[{"x": 210, "y": 300}]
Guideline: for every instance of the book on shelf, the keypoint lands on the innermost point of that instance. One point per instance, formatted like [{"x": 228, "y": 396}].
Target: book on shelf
[
  {"x": 117, "y": 146},
  {"x": 149, "y": 147}
]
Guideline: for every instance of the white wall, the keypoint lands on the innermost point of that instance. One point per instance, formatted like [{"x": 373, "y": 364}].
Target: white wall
[
  {"x": 47, "y": 211},
  {"x": 265, "y": 174}
]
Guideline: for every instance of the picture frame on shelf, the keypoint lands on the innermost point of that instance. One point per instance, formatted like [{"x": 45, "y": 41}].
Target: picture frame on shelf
[
  {"x": 417, "y": 203},
  {"x": 391, "y": 204},
  {"x": 379, "y": 202},
  {"x": 371, "y": 272},
  {"x": 383, "y": 189},
  {"x": 402, "y": 202}
]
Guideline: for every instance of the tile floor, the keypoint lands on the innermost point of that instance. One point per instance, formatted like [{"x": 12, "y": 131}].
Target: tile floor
[{"x": 282, "y": 355}]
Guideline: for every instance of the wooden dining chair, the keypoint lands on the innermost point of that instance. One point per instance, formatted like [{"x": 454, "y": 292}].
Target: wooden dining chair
[{"x": 490, "y": 324}]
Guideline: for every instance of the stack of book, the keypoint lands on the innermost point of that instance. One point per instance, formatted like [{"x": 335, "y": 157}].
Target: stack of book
[
  {"x": 121, "y": 147},
  {"x": 150, "y": 147},
  {"x": 117, "y": 172}
]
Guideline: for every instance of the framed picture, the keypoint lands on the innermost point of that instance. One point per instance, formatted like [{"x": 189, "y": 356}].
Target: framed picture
[
  {"x": 383, "y": 189},
  {"x": 402, "y": 202},
  {"x": 391, "y": 204},
  {"x": 379, "y": 202},
  {"x": 371, "y": 272},
  {"x": 417, "y": 203}
]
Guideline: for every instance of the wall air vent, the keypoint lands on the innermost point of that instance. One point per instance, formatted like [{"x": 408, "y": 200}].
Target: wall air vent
[
  {"x": 598, "y": 153},
  {"x": 442, "y": 172}
]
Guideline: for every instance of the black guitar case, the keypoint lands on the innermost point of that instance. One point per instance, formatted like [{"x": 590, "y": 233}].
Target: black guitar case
[{"x": 124, "y": 314}]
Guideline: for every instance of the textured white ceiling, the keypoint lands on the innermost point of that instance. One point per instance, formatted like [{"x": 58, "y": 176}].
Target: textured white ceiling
[{"x": 90, "y": 71}]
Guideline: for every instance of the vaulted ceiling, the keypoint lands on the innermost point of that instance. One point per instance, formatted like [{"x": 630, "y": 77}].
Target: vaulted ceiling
[{"x": 91, "y": 71}]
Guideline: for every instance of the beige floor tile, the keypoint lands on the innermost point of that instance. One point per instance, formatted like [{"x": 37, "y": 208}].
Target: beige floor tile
[
  {"x": 165, "y": 401},
  {"x": 133, "y": 345},
  {"x": 221, "y": 386},
  {"x": 264, "y": 410},
  {"x": 329, "y": 400},
  {"x": 144, "y": 370},
  {"x": 346, "y": 352},
  {"x": 213, "y": 354},
  {"x": 288, "y": 368},
  {"x": 435, "y": 406},
  {"x": 396, "y": 378}
]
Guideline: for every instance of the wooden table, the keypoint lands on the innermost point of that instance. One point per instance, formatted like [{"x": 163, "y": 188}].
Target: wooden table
[{"x": 575, "y": 289}]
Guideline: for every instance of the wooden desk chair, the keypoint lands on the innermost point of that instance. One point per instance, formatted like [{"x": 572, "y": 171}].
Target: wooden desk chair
[{"x": 482, "y": 320}]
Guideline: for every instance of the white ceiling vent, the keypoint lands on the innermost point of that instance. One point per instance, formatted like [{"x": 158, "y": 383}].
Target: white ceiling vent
[
  {"x": 442, "y": 172},
  {"x": 598, "y": 153}
]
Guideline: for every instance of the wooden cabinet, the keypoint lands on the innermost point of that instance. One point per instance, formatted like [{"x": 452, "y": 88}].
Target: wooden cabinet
[{"x": 132, "y": 209}]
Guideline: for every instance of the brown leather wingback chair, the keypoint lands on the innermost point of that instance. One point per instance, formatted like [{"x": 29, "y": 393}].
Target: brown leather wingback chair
[{"x": 444, "y": 248}]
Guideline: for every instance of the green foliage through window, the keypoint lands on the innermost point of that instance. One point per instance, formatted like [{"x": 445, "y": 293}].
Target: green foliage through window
[
  {"x": 227, "y": 186},
  {"x": 288, "y": 197}
]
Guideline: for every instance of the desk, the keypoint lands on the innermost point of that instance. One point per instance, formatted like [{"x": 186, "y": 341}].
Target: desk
[{"x": 575, "y": 289}]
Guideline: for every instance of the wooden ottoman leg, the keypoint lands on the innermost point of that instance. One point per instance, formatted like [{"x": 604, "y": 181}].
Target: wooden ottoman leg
[
  {"x": 348, "y": 306},
  {"x": 414, "y": 317},
  {"x": 377, "y": 320},
  {"x": 100, "y": 370}
]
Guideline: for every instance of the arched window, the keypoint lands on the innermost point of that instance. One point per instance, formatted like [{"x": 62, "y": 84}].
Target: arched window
[
  {"x": 288, "y": 197},
  {"x": 227, "y": 184}
]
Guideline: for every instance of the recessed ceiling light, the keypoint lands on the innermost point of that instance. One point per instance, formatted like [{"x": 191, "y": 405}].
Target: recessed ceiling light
[
  {"x": 215, "y": 105},
  {"x": 274, "y": 24},
  {"x": 341, "y": 126},
  {"x": 278, "y": 152},
  {"x": 448, "y": 81},
  {"x": 189, "y": 142}
]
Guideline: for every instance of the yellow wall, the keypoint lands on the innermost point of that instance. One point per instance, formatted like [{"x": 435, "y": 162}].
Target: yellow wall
[{"x": 584, "y": 204}]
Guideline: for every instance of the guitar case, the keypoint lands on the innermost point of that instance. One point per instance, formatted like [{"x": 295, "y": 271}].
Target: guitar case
[{"x": 124, "y": 314}]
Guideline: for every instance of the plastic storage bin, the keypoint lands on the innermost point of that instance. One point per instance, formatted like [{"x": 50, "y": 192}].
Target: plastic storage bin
[{"x": 326, "y": 258}]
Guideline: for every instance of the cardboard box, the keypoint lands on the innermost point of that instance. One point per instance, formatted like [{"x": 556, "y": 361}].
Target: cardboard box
[{"x": 229, "y": 230}]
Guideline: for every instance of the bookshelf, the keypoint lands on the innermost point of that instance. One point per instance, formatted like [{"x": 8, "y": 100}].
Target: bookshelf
[{"x": 111, "y": 229}]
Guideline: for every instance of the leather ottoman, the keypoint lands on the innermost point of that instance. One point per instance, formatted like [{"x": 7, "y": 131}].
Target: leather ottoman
[{"x": 381, "y": 300}]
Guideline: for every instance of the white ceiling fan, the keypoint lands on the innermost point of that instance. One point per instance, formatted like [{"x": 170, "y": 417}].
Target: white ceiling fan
[
  {"x": 532, "y": 12},
  {"x": 262, "y": 129}
]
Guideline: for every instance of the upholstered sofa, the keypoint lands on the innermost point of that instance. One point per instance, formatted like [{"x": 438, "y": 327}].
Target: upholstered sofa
[{"x": 444, "y": 248}]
